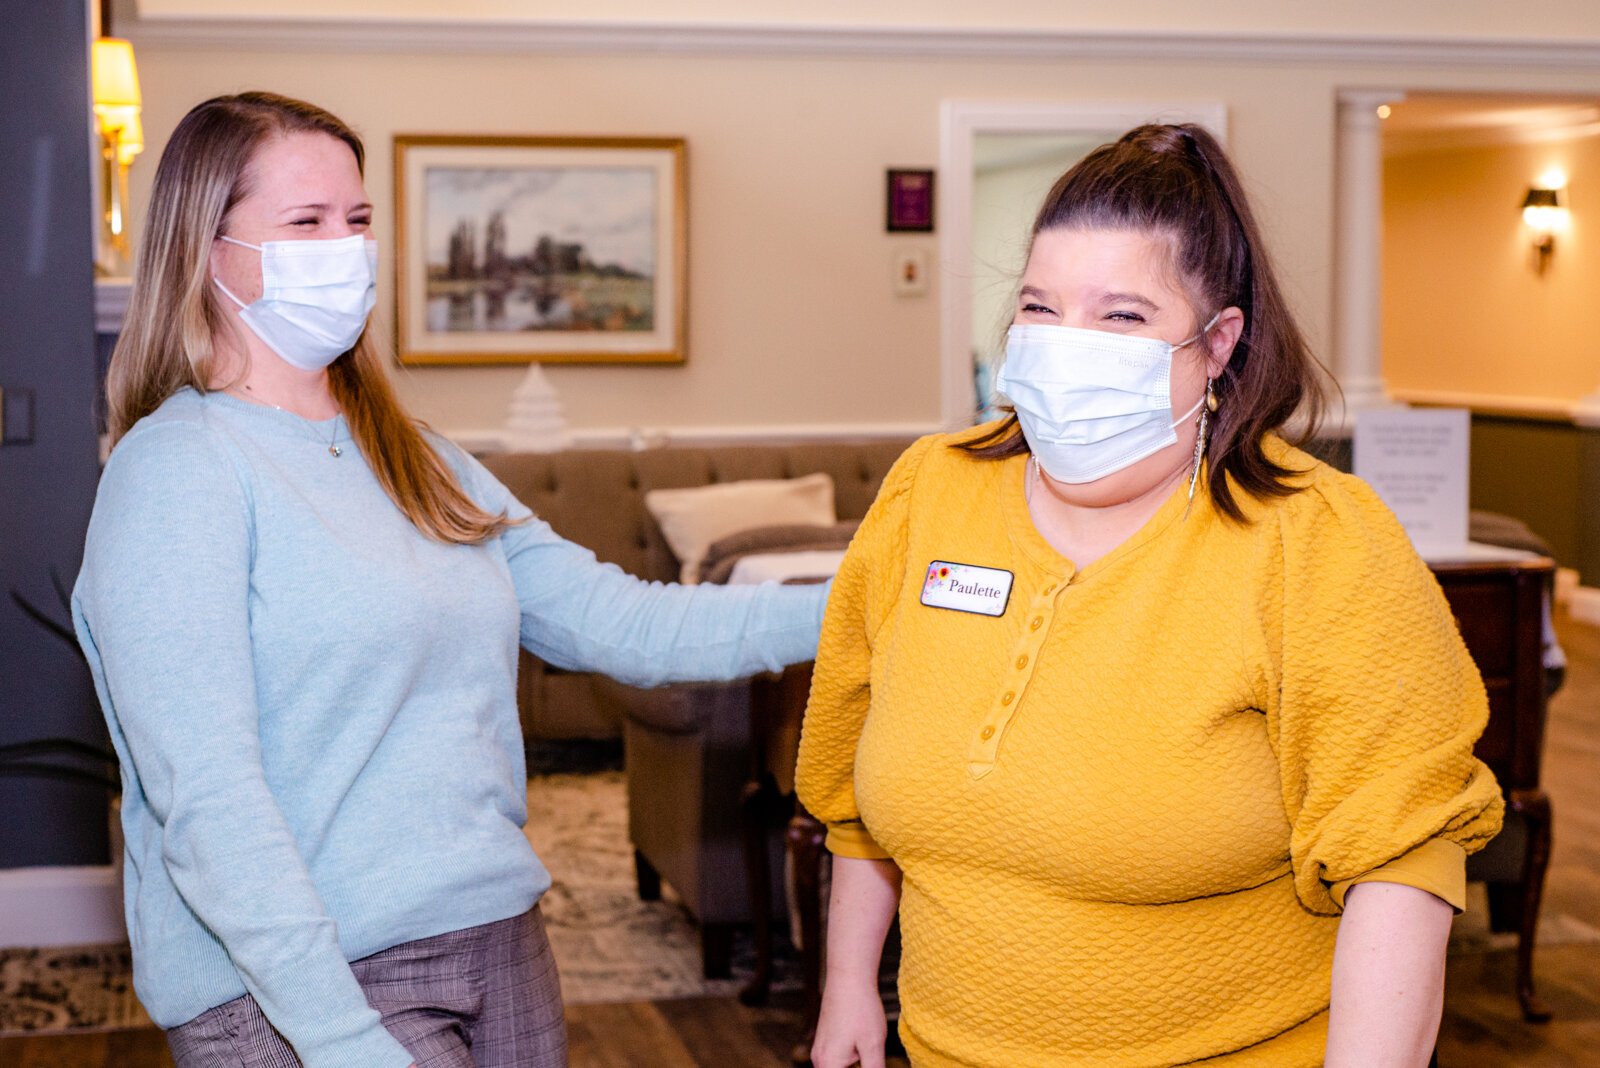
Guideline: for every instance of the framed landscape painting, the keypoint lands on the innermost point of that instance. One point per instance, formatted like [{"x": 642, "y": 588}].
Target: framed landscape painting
[{"x": 549, "y": 249}]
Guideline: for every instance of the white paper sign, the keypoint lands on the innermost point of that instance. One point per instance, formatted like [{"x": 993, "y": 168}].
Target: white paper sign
[{"x": 1417, "y": 461}]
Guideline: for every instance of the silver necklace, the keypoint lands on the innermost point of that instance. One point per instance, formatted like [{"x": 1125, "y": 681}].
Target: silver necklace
[{"x": 333, "y": 446}]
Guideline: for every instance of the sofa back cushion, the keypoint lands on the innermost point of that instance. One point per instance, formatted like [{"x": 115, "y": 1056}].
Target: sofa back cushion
[
  {"x": 592, "y": 497},
  {"x": 595, "y": 497}
]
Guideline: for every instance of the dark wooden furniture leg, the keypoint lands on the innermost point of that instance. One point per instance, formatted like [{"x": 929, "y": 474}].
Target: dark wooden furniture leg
[
  {"x": 1534, "y": 807},
  {"x": 753, "y": 806},
  {"x": 1505, "y": 907},
  {"x": 777, "y": 706},
  {"x": 805, "y": 839},
  {"x": 756, "y": 813},
  {"x": 648, "y": 878},
  {"x": 716, "y": 949}
]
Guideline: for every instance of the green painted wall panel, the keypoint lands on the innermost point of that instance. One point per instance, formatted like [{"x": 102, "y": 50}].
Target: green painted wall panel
[{"x": 1534, "y": 470}]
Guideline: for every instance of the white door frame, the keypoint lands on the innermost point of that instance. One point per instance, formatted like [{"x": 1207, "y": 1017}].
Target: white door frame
[{"x": 959, "y": 124}]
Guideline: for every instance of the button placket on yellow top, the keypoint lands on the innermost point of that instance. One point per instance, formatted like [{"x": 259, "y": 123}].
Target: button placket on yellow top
[{"x": 984, "y": 751}]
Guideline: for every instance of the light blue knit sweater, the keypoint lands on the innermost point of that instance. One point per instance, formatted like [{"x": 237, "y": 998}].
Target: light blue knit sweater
[{"x": 315, "y": 706}]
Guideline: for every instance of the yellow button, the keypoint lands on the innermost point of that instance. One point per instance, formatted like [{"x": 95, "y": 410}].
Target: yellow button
[
  {"x": 1008, "y": 697},
  {"x": 1038, "y": 621},
  {"x": 1022, "y": 661},
  {"x": 986, "y": 733},
  {"x": 1048, "y": 590}
]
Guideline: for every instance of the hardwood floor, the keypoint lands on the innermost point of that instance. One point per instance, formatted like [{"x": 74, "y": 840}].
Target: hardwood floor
[
  {"x": 1482, "y": 1027},
  {"x": 1572, "y": 778},
  {"x": 115, "y": 1049}
]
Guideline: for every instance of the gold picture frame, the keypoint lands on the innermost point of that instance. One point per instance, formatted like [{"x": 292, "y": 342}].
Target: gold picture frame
[{"x": 540, "y": 249}]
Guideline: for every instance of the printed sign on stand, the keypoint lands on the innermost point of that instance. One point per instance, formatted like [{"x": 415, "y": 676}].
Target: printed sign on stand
[{"x": 1416, "y": 458}]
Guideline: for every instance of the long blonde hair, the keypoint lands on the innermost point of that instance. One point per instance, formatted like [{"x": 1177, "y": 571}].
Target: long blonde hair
[{"x": 175, "y": 314}]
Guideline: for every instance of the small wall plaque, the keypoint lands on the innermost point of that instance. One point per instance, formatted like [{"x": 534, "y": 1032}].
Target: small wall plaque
[{"x": 910, "y": 201}]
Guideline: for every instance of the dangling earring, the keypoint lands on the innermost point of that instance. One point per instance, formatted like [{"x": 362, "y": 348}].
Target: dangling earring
[{"x": 1200, "y": 439}]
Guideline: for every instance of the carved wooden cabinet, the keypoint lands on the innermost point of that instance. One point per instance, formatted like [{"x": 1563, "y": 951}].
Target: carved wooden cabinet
[{"x": 1499, "y": 607}]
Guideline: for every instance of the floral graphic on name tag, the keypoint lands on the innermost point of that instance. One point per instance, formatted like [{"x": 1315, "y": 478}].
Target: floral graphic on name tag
[{"x": 938, "y": 576}]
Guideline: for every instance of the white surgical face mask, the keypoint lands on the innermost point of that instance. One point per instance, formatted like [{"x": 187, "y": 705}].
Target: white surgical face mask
[
  {"x": 315, "y": 297},
  {"x": 1090, "y": 402}
]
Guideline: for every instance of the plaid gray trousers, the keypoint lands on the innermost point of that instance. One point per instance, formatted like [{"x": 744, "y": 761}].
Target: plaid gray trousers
[{"x": 484, "y": 997}]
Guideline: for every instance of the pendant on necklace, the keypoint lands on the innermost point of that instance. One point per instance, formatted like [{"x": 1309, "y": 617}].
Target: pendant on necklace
[{"x": 335, "y": 452}]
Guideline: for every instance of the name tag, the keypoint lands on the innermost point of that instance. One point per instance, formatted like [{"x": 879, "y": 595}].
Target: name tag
[{"x": 967, "y": 588}]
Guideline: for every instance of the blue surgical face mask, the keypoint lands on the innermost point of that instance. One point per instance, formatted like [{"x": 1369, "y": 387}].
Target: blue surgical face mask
[
  {"x": 1091, "y": 403},
  {"x": 315, "y": 297}
]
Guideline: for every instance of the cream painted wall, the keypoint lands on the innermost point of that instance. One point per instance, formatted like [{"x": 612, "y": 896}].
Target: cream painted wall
[
  {"x": 1464, "y": 309},
  {"x": 792, "y": 315},
  {"x": 1535, "y": 19}
]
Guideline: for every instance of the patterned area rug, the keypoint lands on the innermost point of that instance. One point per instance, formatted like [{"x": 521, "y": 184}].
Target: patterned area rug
[
  {"x": 609, "y": 945},
  {"x": 82, "y": 988}
]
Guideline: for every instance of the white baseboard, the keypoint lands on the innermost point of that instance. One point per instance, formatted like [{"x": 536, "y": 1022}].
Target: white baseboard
[
  {"x": 60, "y": 906},
  {"x": 1567, "y": 580},
  {"x": 1583, "y": 605},
  {"x": 1546, "y": 409}
]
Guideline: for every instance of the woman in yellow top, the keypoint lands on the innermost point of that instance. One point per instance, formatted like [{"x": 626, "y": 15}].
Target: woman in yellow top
[{"x": 1154, "y": 729}]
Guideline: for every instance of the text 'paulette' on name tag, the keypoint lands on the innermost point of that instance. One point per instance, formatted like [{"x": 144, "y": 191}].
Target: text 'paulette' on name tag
[{"x": 967, "y": 588}]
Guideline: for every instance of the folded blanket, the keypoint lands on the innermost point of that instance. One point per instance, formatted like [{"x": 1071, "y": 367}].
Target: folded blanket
[{"x": 724, "y": 554}]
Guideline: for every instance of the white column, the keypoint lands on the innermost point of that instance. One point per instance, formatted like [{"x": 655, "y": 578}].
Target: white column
[{"x": 1358, "y": 249}]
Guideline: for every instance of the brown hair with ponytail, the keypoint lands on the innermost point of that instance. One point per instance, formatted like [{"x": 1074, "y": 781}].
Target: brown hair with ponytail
[
  {"x": 175, "y": 314},
  {"x": 1176, "y": 182}
]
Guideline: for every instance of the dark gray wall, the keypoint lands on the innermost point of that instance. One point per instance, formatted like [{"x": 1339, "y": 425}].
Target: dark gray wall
[
  {"x": 1531, "y": 469},
  {"x": 46, "y": 484},
  {"x": 1547, "y": 474},
  {"x": 1587, "y": 506}
]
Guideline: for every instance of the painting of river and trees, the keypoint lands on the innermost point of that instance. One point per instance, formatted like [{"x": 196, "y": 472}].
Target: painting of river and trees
[{"x": 540, "y": 249}]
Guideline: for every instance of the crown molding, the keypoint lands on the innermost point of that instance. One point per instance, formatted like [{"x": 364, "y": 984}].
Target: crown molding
[
  {"x": 1417, "y": 142},
  {"x": 522, "y": 36}
]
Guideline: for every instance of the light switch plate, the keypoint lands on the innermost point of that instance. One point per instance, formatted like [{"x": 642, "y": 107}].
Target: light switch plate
[{"x": 911, "y": 272}]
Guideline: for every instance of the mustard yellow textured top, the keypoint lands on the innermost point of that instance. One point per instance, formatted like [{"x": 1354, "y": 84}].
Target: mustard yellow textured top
[{"x": 1127, "y": 809}]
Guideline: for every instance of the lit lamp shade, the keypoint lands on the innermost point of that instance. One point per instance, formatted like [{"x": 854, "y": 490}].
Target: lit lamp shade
[
  {"x": 131, "y": 143},
  {"x": 1542, "y": 209},
  {"x": 116, "y": 81}
]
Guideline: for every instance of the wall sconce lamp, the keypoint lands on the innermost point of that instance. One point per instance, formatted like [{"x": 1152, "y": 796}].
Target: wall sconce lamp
[
  {"x": 1544, "y": 212},
  {"x": 116, "y": 107}
]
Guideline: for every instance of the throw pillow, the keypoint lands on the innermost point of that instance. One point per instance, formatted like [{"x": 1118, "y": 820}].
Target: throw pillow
[{"x": 691, "y": 519}]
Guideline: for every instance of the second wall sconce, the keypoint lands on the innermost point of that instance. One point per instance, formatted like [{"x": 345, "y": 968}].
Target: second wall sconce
[{"x": 1545, "y": 212}]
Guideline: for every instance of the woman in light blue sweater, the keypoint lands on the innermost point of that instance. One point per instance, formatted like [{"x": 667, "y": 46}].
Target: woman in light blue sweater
[{"x": 303, "y": 615}]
